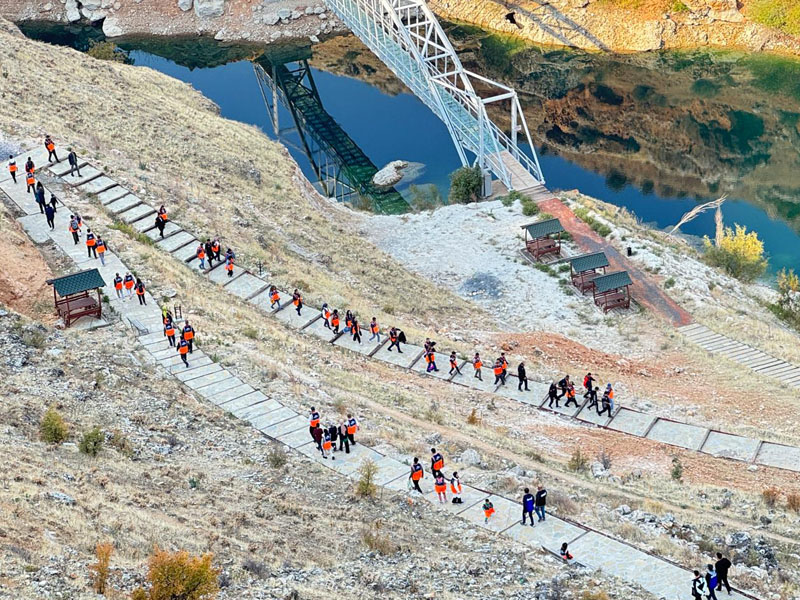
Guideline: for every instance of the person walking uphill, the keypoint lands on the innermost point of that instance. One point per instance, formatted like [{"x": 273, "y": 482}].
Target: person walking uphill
[
  {"x": 274, "y": 298},
  {"x": 430, "y": 358},
  {"x": 335, "y": 321},
  {"x": 522, "y": 376},
  {"x": 437, "y": 461},
  {"x": 454, "y": 364},
  {"x": 356, "y": 331},
  {"x": 527, "y": 506},
  {"x": 455, "y": 488},
  {"x": 12, "y": 168},
  {"x": 540, "y": 503},
  {"x": 711, "y": 582},
  {"x": 698, "y": 586},
  {"x": 118, "y": 285},
  {"x": 129, "y": 283},
  {"x": 588, "y": 383},
  {"x": 39, "y": 196},
  {"x": 30, "y": 181},
  {"x": 488, "y": 510},
  {"x": 721, "y": 567},
  {"x": 416, "y": 474},
  {"x": 440, "y": 485},
  {"x": 499, "y": 373},
  {"x": 50, "y": 215},
  {"x": 200, "y": 253},
  {"x": 394, "y": 340},
  {"x": 344, "y": 441},
  {"x": 29, "y": 166},
  {"x": 169, "y": 332},
  {"x": 91, "y": 243},
  {"x": 297, "y": 300},
  {"x": 552, "y": 394},
  {"x": 72, "y": 159},
  {"x": 183, "y": 350},
  {"x": 101, "y": 248},
  {"x": 352, "y": 427},
  {"x": 160, "y": 224},
  {"x": 374, "y": 330},
  {"x": 188, "y": 334},
  {"x": 51, "y": 149},
  {"x": 140, "y": 294}
]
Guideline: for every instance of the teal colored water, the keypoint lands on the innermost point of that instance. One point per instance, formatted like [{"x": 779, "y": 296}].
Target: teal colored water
[{"x": 655, "y": 134}]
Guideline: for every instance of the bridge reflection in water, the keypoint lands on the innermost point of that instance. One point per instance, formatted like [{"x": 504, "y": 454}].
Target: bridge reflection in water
[{"x": 342, "y": 169}]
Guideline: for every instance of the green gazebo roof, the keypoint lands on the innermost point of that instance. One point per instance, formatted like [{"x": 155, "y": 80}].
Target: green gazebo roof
[
  {"x": 543, "y": 228},
  {"x": 612, "y": 281},
  {"x": 588, "y": 262},
  {"x": 77, "y": 282}
]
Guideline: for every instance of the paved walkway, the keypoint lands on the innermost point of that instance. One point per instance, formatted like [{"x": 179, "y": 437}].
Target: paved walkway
[{"x": 222, "y": 388}]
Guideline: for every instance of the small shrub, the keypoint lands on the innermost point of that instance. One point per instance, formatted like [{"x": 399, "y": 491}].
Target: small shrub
[
  {"x": 599, "y": 228},
  {"x": 770, "y": 496},
  {"x": 91, "y": 442},
  {"x": 465, "y": 185},
  {"x": 604, "y": 459},
  {"x": 99, "y": 571},
  {"x": 179, "y": 576},
  {"x": 366, "y": 488},
  {"x": 34, "y": 338},
  {"x": 53, "y": 429},
  {"x": 529, "y": 207},
  {"x": 277, "y": 457},
  {"x": 250, "y": 332},
  {"x": 779, "y": 14},
  {"x": 669, "y": 283},
  {"x": 131, "y": 232},
  {"x": 740, "y": 254},
  {"x": 424, "y": 197},
  {"x": 578, "y": 462},
  {"x": 678, "y": 6},
  {"x": 793, "y": 502},
  {"x": 259, "y": 569},
  {"x": 121, "y": 443},
  {"x": 677, "y": 469},
  {"x": 473, "y": 418},
  {"x": 506, "y": 200},
  {"x": 106, "y": 51},
  {"x": 594, "y": 595},
  {"x": 377, "y": 541}
]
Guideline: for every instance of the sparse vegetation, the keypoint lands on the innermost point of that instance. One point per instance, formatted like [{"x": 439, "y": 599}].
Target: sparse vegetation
[
  {"x": 529, "y": 207},
  {"x": 793, "y": 502},
  {"x": 107, "y": 51},
  {"x": 179, "y": 576},
  {"x": 779, "y": 14},
  {"x": 770, "y": 496},
  {"x": 121, "y": 443},
  {"x": 377, "y": 541},
  {"x": 473, "y": 418},
  {"x": 604, "y": 458},
  {"x": 739, "y": 253},
  {"x": 92, "y": 442},
  {"x": 131, "y": 232},
  {"x": 677, "y": 469},
  {"x": 669, "y": 282},
  {"x": 366, "y": 487},
  {"x": 578, "y": 462},
  {"x": 99, "y": 571},
  {"x": 53, "y": 429},
  {"x": 787, "y": 308},
  {"x": 277, "y": 456},
  {"x": 424, "y": 197},
  {"x": 599, "y": 228},
  {"x": 465, "y": 185}
]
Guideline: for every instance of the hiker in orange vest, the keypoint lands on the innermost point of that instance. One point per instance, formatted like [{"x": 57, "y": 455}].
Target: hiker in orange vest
[
  {"x": 454, "y": 364},
  {"x": 430, "y": 358},
  {"x": 274, "y": 298},
  {"x": 31, "y": 181},
  {"x": 201, "y": 256},
  {"x": 488, "y": 510},
  {"x": 477, "y": 363},
  {"x": 229, "y": 266},
  {"x": 610, "y": 393},
  {"x": 29, "y": 166},
  {"x": 440, "y": 485},
  {"x": 128, "y": 281},
  {"x": 571, "y": 396},
  {"x": 160, "y": 224},
  {"x": 437, "y": 461},
  {"x": 183, "y": 350},
  {"x": 51, "y": 149},
  {"x": 326, "y": 316},
  {"x": 118, "y": 285},
  {"x": 297, "y": 300},
  {"x": 101, "y": 248},
  {"x": 313, "y": 420},
  {"x": 12, "y": 168},
  {"x": 162, "y": 212},
  {"x": 216, "y": 249},
  {"x": 588, "y": 384},
  {"x": 188, "y": 335},
  {"x": 374, "y": 330},
  {"x": 356, "y": 331},
  {"x": 394, "y": 341},
  {"x": 169, "y": 332},
  {"x": 504, "y": 362},
  {"x": 327, "y": 444},
  {"x": 352, "y": 427},
  {"x": 499, "y": 373},
  {"x": 348, "y": 322},
  {"x": 91, "y": 243},
  {"x": 140, "y": 292},
  {"x": 335, "y": 321},
  {"x": 73, "y": 228},
  {"x": 416, "y": 474},
  {"x": 455, "y": 488}
]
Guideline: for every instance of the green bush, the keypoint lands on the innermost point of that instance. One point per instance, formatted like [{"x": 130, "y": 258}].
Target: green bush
[
  {"x": 106, "y": 51},
  {"x": 677, "y": 469},
  {"x": 529, "y": 207},
  {"x": 779, "y": 14},
  {"x": 53, "y": 429},
  {"x": 366, "y": 487},
  {"x": 601, "y": 229},
  {"x": 678, "y": 6},
  {"x": 578, "y": 462},
  {"x": 91, "y": 442},
  {"x": 465, "y": 185}
]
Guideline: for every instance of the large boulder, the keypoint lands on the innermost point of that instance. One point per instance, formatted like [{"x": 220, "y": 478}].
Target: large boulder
[
  {"x": 112, "y": 28},
  {"x": 390, "y": 174},
  {"x": 209, "y": 8},
  {"x": 72, "y": 11},
  {"x": 185, "y": 5},
  {"x": 470, "y": 457}
]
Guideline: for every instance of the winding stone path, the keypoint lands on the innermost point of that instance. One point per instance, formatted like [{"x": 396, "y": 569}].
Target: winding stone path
[{"x": 222, "y": 388}]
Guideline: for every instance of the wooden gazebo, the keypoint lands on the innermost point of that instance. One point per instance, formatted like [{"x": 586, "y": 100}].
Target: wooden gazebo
[
  {"x": 73, "y": 298},
  {"x": 538, "y": 238},
  {"x": 612, "y": 290},
  {"x": 586, "y": 268}
]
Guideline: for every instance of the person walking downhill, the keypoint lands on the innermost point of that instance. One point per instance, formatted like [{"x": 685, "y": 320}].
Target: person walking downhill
[
  {"x": 50, "y": 215},
  {"x": 488, "y": 510},
  {"x": 29, "y": 166},
  {"x": 606, "y": 405},
  {"x": 344, "y": 441},
  {"x": 711, "y": 582},
  {"x": 356, "y": 331},
  {"x": 183, "y": 350},
  {"x": 374, "y": 330},
  {"x": 416, "y": 474},
  {"x": 454, "y": 364},
  {"x": 216, "y": 247},
  {"x": 333, "y": 432},
  {"x": 698, "y": 586},
  {"x": 128, "y": 283},
  {"x": 91, "y": 243},
  {"x": 552, "y": 394},
  {"x": 348, "y": 322},
  {"x": 326, "y": 316},
  {"x": 499, "y": 377},
  {"x": 30, "y": 181},
  {"x": 297, "y": 300},
  {"x": 188, "y": 334},
  {"x": 437, "y": 461},
  {"x": 72, "y": 159},
  {"x": 118, "y": 285},
  {"x": 610, "y": 393},
  {"x": 562, "y": 385},
  {"x": 593, "y": 399},
  {"x": 327, "y": 444},
  {"x": 588, "y": 384},
  {"x": 440, "y": 485},
  {"x": 53, "y": 202},
  {"x": 12, "y": 168},
  {"x": 394, "y": 340},
  {"x": 101, "y": 248},
  {"x": 455, "y": 488},
  {"x": 540, "y": 503},
  {"x": 200, "y": 253},
  {"x": 571, "y": 396},
  {"x": 504, "y": 362},
  {"x": 51, "y": 149},
  {"x": 73, "y": 229},
  {"x": 160, "y": 224},
  {"x": 565, "y": 554},
  {"x": 522, "y": 376},
  {"x": 274, "y": 298},
  {"x": 316, "y": 435},
  {"x": 335, "y": 321},
  {"x": 477, "y": 363},
  {"x": 313, "y": 420},
  {"x": 352, "y": 427},
  {"x": 430, "y": 358},
  {"x": 162, "y": 212},
  {"x": 169, "y": 332},
  {"x": 140, "y": 292},
  {"x": 722, "y": 566},
  {"x": 209, "y": 253},
  {"x": 528, "y": 501},
  {"x": 229, "y": 265},
  {"x": 38, "y": 195}
]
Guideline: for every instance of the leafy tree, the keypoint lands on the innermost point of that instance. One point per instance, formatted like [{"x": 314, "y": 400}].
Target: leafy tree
[
  {"x": 739, "y": 253},
  {"x": 465, "y": 185},
  {"x": 99, "y": 571}
]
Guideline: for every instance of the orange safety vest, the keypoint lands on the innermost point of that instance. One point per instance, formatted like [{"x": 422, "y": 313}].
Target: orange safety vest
[
  {"x": 326, "y": 445},
  {"x": 90, "y": 241},
  {"x": 163, "y": 215},
  {"x": 356, "y": 328},
  {"x": 215, "y": 248},
  {"x": 188, "y": 333},
  {"x": 326, "y": 314},
  {"x": 50, "y": 146},
  {"x": 498, "y": 369},
  {"x": 477, "y": 364},
  {"x": 437, "y": 462},
  {"x": 611, "y": 394},
  {"x": 352, "y": 425},
  {"x": 429, "y": 357},
  {"x": 118, "y": 283},
  {"x": 297, "y": 300},
  {"x": 140, "y": 290},
  {"x": 373, "y": 327},
  {"x": 455, "y": 486},
  {"x": 335, "y": 321},
  {"x": 439, "y": 485},
  {"x": 183, "y": 347},
  {"x": 169, "y": 330},
  {"x": 229, "y": 265},
  {"x": 314, "y": 421},
  {"x": 30, "y": 180},
  {"x": 201, "y": 253},
  {"x": 274, "y": 296},
  {"x": 416, "y": 472},
  {"x": 488, "y": 511},
  {"x": 12, "y": 167},
  {"x": 453, "y": 362},
  {"x": 101, "y": 247},
  {"x": 128, "y": 283},
  {"x": 392, "y": 336}
]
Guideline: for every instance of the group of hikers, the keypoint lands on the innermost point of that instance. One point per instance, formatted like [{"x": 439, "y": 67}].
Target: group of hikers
[
  {"x": 710, "y": 582},
  {"x": 185, "y": 344},
  {"x": 30, "y": 167},
  {"x": 126, "y": 287},
  {"x": 565, "y": 388},
  {"x": 326, "y": 436}
]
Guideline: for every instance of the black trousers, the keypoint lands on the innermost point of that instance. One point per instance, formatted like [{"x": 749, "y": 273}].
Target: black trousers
[
  {"x": 416, "y": 485},
  {"x": 74, "y": 169},
  {"x": 75, "y": 237},
  {"x": 351, "y": 438},
  {"x": 395, "y": 344},
  {"x": 722, "y": 579},
  {"x": 344, "y": 443},
  {"x": 356, "y": 336},
  {"x": 527, "y": 513},
  {"x": 571, "y": 401},
  {"x": 52, "y": 154},
  {"x": 478, "y": 374},
  {"x": 553, "y": 399},
  {"x": 171, "y": 339},
  {"x": 51, "y": 223},
  {"x": 91, "y": 250},
  {"x": 144, "y": 302},
  {"x": 525, "y": 381},
  {"x": 41, "y": 206},
  {"x": 183, "y": 358},
  {"x": 14, "y": 176},
  {"x": 190, "y": 342},
  {"x": 606, "y": 409}
]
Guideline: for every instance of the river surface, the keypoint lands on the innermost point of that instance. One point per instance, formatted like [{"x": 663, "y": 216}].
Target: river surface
[{"x": 654, "y": 133}]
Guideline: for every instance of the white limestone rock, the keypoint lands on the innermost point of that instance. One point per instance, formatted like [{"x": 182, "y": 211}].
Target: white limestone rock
[
  {"x": 390, "y": 174},
  {"x": 185, "y": 5},
  {"x": 112, "y": 28},
  {"x": 72, "y": 12},
  {"x": 206, "y": 9},
  {"x": 47, "y": 7}
]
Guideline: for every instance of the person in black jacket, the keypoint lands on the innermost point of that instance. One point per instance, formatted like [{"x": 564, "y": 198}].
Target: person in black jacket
[
  {"x": 50, "y": 214},
  {"x": 698, "y": 585},
  {"x": 333, "y": 431},
  {"x": 721, "y": 567},
  {"x": 523, "y": 378},
  {"x": 552, "y": 393},
  {"x": 541, "y": 502},
  {"x": 38, "y": 194},
  {"x": 72, "y": 158}
]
